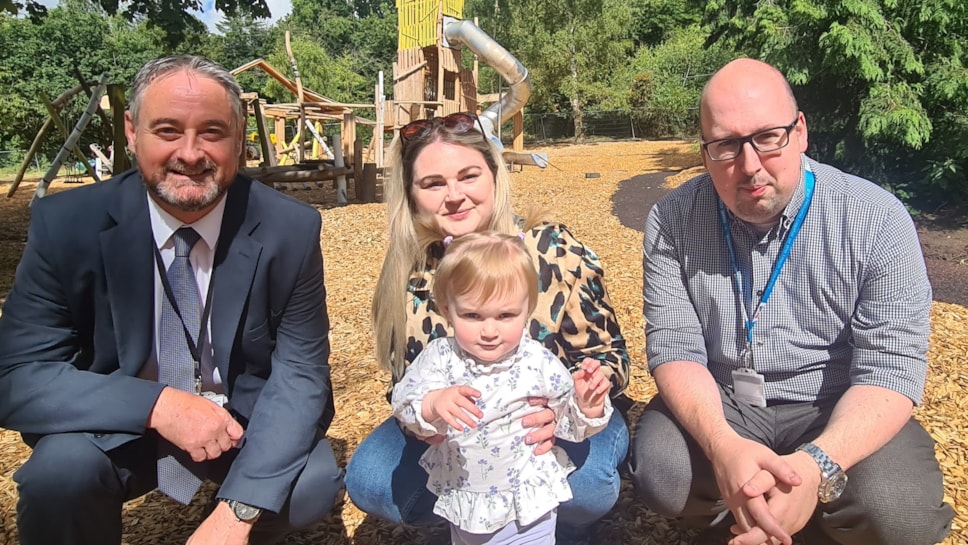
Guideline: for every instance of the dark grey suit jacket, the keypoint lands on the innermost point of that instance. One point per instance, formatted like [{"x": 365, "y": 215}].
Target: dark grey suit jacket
[{"x": 78, "y": 326}]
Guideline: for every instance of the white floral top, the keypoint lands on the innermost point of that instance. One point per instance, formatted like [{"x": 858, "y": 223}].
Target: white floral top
[{"x": 486, "y": 478}]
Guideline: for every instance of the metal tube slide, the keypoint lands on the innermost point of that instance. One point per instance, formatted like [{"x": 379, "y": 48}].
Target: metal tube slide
[{"x": 498, "y": 58}]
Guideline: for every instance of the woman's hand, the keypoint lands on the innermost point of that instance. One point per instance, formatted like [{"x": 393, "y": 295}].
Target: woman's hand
[
  {"x": 591, "y": 388},
  {"x": 543, "y": 423}
]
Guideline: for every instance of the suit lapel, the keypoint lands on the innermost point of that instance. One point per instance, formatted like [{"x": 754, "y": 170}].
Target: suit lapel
[
  {"x": 127, "y": 253},
  {"x": 236, "y": 259}
]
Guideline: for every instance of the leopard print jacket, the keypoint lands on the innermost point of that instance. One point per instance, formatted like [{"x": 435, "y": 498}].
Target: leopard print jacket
[{"x": 574, "y": 318}]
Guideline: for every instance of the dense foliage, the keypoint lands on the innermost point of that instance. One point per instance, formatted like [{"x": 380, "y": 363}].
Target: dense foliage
[{"x": 884, "y": 83}]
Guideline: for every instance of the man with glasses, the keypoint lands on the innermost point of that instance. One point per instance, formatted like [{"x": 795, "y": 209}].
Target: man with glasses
[{"x": 787, "y": 310}]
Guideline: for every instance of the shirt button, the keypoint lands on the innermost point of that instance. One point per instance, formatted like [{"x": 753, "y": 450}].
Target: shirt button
[{"x": 759, "y": 293}]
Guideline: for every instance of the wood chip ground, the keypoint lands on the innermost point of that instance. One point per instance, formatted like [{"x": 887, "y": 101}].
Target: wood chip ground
[{"x": 353, "y": 240}]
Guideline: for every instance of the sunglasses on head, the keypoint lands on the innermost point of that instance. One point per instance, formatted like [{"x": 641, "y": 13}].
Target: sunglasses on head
[{"x": 460, "y": 122}]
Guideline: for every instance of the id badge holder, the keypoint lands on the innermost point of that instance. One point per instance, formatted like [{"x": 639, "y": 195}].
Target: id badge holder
[{"x": 748, "y": 387}]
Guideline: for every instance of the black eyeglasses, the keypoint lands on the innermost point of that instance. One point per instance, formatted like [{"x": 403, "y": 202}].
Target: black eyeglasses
[
  {"x": 763, "y": 141},
  {"x": 460, "y": 122}
]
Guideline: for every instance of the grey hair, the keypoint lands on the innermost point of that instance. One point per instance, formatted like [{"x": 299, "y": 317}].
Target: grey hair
[{"x": 201, "y": 66}]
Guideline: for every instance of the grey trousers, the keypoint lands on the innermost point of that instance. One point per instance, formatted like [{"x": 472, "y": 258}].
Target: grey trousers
[
  {"x": 71, "y": 492},
  {"x": 893, "y": 497}
]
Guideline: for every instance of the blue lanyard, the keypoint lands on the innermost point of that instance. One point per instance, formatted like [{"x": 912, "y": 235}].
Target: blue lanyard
[{"x": 744, "y": 289}]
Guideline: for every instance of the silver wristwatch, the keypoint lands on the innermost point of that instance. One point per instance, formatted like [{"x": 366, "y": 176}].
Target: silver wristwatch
[
  {"x": 243, "y": 511},
  {"x": 833, "y": 480}
]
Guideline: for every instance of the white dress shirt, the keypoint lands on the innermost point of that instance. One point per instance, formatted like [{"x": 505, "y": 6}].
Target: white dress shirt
[{"x": 163, "y": 226}]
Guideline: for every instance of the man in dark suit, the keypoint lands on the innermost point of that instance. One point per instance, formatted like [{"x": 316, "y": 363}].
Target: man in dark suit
[{"x": 98, "y": 334}]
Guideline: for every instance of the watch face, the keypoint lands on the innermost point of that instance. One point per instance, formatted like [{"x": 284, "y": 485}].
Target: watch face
[
  {"x": 833, "y": 487},
  {"x": 245, "y": 512}
]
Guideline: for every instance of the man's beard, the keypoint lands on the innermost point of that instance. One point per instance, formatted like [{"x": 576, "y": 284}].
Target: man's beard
[
  {"x": 763, "y": 209},
  {"x": 170, "y": 192}
]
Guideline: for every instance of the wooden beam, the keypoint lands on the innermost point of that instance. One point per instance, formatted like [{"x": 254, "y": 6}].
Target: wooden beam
[
  {"x": 401, "y": 77},
  {"x": 87, "y": 90},
  {"x": 71, "y": 141},
  {"x": 44, "y": 129},
  {"x": 300, "y": 97},
  {"x": 298, "y": 175},
  {"x": 66, "y": 134},
  {"x": 283, "y": 80},
  {"x": 268, "y": 156},
  {"x": 118, "y": 105}
]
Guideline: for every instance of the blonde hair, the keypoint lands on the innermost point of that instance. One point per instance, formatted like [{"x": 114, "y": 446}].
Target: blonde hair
[
  {"x": 485, "y": 265},
  {"x": 410, "y": 236}
]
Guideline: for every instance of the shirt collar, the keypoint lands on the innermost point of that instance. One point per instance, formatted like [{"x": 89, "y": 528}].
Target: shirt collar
[
  {"x": 793, "y": 207},
  {"x": 163, "y": 224}
]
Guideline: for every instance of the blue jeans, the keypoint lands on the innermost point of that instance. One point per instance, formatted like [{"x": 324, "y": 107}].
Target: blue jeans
[{"x": 384, "y": 478}]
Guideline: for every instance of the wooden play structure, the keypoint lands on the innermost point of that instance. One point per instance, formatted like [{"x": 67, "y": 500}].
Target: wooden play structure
[
  {"x": 96, "y": 92},
  {"x": 308, "y": 159},
  {"x": 428, "y": 80}
]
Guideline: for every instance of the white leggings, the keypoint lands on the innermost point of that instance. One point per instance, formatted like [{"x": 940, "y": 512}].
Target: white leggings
[{"x": 539, "y": 532}]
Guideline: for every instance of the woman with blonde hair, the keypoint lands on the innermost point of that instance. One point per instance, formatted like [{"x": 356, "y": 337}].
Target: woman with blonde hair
[{"x": 448, "y": 180}]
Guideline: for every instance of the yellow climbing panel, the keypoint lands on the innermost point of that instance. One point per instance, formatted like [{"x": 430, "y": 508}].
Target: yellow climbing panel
[{"x": 418, "y": 20}]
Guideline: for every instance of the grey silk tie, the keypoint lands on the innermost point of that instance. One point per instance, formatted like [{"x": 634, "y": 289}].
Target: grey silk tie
[{"x": 178, "y": 475}]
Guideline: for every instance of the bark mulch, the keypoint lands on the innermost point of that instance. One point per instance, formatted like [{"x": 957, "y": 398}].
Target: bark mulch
[{"x": 353, "y": 240}]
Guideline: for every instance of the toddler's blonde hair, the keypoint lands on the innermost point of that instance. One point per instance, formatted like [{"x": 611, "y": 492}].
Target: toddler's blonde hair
[{"x": 484, "y": 265}]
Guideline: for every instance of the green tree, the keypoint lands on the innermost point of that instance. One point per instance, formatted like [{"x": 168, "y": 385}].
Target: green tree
[
  {"x": 333, "y": 77},
  {"x": 363, "y": 31},
  {"x": 173, "y": 17},
  {"x": 241, "y": 39},
  {"x": 884, "y": 83},
  {"x": 575, "y": 50},
  {"x": 40, "y": 57},
  {"x": 668, "y": 80},
  {"x": 654, "y": 20}
]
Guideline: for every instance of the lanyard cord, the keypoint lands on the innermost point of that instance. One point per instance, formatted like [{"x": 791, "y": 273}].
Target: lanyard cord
[
  {"x": 744, "y": 289},
  {"x": 193, "y": 347}
]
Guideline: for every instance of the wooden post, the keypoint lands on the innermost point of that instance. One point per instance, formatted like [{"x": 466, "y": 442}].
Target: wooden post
[
  {"x": 348, "y": 134},
  {"x": 44, "y": 129},
  {"x": 299, "y": 100},
  {"x": 366, "y": 185},
  {"x": 378, "y": 129},
  {"x": 518, "y": 143},
  {"x": 357, "y": 161},
  {"x": 118, "y": 106},
  {"x": 339, "y": 163},
  {"x": 280, "y": 130},
  {"x": 268, "y": 154}
]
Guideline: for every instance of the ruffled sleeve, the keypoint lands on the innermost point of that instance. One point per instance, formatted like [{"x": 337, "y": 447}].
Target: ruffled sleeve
[
  {"x": 556, "y": 384},
  {"x": 430, "y": 371}
]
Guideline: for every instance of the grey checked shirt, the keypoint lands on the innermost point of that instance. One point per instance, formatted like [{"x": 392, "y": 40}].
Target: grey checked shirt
[{"x": 850, "y": 307}]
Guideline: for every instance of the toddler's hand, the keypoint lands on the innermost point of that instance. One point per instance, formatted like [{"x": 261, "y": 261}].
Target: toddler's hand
[
  {"x": 455, "y": 405},
  {"x": 591, "y": 388}
]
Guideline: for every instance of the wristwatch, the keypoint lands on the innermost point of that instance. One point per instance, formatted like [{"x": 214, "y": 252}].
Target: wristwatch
[
  {"x": 833, "y": 480},
  {"x": 243, "y": 511}
]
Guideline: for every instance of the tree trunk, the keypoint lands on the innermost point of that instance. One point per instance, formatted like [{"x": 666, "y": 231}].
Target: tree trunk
[{"x": 576, "y": 102}]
